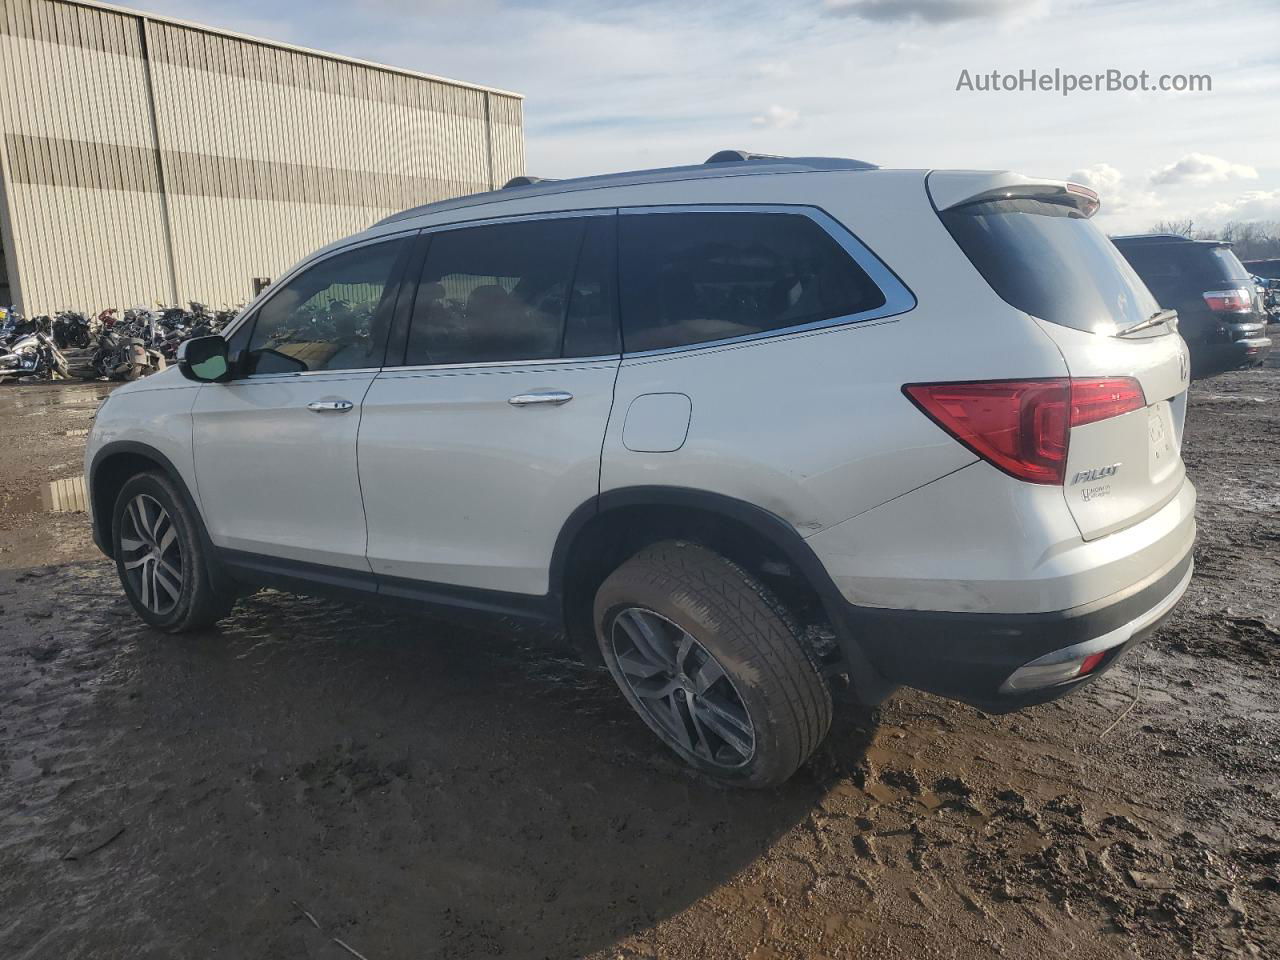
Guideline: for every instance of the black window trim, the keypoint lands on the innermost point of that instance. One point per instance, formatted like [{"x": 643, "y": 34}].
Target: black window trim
[
  {"x": 898, "y": 298},
  {"x": 420, "y": 261},
  {"x": 250, "y": 316}
]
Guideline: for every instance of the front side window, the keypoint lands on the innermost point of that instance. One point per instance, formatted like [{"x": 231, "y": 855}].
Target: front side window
[
  {"x": 690, "y": 278},
  {"x": 503, "y": 292},
  {"x": 332, "y": 316}
]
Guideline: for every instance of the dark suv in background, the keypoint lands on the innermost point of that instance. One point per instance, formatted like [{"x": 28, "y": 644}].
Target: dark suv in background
[{"x": 1220, "y": 314}]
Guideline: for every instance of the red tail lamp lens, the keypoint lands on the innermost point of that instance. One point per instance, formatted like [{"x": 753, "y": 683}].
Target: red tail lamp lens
[
  {"x": 1023, "y": 426},
  {"x": 1090, "y": 663}
]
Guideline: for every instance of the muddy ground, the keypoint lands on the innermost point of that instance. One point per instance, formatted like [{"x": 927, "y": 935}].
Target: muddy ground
[{"x": 315, "y": 772}]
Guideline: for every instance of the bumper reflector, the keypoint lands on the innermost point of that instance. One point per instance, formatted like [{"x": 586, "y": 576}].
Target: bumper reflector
[{"x": 1078, "y": 660}]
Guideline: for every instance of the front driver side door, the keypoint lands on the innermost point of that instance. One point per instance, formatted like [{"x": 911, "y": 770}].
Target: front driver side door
[{"x": 275, "y": 448}]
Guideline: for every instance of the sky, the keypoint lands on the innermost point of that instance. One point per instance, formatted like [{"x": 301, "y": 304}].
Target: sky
[{"x": 624, "y": 85}]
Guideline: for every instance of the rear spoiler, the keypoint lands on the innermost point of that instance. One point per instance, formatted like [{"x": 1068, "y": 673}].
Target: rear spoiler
[
  {"x": 951, "y": 190},
  {"x": 1068, "y": 195}
]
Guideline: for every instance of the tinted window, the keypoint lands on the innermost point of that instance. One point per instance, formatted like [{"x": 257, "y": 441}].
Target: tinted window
[
  {"x": 1154, "y": 264},
  {"x": 496, "y": 293},
  {"x": 332, "y": 316},
  {"x": 1048, "y": 260},
  {"x": 591, "y": 324},
  {"x": 1198, "y": 264},
  {"x": 1223, "y": 264},
  {"x": 693, "y": 277}
]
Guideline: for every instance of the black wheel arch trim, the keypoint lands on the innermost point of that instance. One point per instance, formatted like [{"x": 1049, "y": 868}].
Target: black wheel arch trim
[
  {"x": 871, "y": 686},
  {"x": 102, "y": 511}
]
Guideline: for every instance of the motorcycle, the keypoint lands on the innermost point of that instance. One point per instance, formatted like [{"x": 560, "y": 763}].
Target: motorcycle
[
  {"x": 33, "y": 355},
  {"x": 125, "y": 356},
  {"x": 72, "y": 329},
  {"x": 16, "y": 326}
]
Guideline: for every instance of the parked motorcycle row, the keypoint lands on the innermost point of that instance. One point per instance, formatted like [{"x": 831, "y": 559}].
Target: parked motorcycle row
[{"x": 141, "y": 342}]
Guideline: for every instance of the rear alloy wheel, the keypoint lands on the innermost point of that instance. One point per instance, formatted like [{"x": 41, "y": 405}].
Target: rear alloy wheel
[
  {"x": 712, "y": 664},
  {"x": 682, "y": 688}
]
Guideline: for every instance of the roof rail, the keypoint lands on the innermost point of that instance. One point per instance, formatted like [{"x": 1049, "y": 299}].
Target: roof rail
[
  {"x": 746, "y": 156},
  {"x": 739, "y": 156},
  {"x": 523, "y": 181},
  {"x": 734, "y": 163}
]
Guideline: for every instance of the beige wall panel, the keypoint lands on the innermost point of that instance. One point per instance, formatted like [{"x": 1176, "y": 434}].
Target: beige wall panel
[
  {"x": 74, "y": 116},
  {"x": 266, "y": 153},
  {"x": 79, "y": 268},
  {"x": 273, "y": 236}
]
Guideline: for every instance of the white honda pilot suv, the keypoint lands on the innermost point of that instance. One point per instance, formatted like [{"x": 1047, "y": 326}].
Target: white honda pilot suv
[{"x": 737, "y": 429}]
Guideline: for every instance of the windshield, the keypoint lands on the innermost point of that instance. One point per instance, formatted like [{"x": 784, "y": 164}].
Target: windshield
[
  {"x": 1227, "y": 266},
  {"x": 1050, "y": 261}
]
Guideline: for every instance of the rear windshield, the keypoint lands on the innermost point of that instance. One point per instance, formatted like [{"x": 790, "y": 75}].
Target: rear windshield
[
  {"x": 1048, "y": 260},
  {"x": 1162, "y": 264},
  {"x": 1226, "y": 265}
]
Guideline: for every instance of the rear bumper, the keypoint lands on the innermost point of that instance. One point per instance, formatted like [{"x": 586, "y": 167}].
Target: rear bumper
[
  {"x": 1208, "y": 359},
  {"x": 972, "y": 657}
]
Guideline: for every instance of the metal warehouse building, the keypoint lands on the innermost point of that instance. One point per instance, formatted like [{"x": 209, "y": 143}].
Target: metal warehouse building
[{"x": 147, "y": 159}]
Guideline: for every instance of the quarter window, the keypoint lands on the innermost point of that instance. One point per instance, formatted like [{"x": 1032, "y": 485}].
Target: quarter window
[
  {"x": 503, "y": 292},
  {"x": 332, "y": 316},
  {"x": 695, "y": 277}
]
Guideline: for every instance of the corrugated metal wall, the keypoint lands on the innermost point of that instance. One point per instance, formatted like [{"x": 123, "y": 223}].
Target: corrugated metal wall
[{"x": 146, "y": 160}]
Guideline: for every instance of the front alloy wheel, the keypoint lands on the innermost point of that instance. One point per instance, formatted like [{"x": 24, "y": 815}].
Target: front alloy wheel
[
  {"x": 168, "y": 572},
  {"x": 151, "y": 554}
]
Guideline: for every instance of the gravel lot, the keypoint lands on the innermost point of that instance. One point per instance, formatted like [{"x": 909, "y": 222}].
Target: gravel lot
[{"x": 314, "y": 772}]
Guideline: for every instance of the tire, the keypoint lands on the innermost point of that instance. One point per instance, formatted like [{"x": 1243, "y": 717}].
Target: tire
[
  {"x": 729, "y": 652},
  {"x": 202, "y": 596}
]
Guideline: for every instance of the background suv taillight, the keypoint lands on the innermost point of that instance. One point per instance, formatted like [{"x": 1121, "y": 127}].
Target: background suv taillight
[
  {"x": 1023, "y": 427},
  {"x": 1233, "y": 300}
]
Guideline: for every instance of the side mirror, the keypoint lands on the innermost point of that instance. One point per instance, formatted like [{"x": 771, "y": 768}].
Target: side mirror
[{"x": 204, "y": 359}]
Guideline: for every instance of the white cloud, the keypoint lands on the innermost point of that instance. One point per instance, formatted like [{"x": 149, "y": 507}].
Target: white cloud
[
  {"x": 1117, "y": 193},
  {"x": 1252, "y": 206},
  {"x": 1202, "y": 168},
  {"x": 614, "y": 86},
  {"x": 1100, "y": 176},
  {"x": 932, "y": 11},
  {"x": 776, "y": 118},
  {"x": 773, "y": 70}
]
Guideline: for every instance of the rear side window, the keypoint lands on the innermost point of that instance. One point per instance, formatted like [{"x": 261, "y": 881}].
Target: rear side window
[
  {"x": 514, "y": 291},
  {"x": 695, "y": 277},
  {"x": 1048, "y": 260}
]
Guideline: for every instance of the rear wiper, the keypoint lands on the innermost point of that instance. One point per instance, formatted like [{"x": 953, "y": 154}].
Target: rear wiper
[{"x": 1155, "y": 320}]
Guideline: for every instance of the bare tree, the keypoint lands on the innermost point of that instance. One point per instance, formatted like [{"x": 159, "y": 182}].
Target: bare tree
[
  {"x": 1181, "y": 228},
  {"x": 1251, "y": 240}
]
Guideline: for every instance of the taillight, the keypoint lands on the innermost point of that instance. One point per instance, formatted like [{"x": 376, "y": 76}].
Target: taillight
[
  {"x": 1094, "y": 400},
  {"x": 1023, "y": 427},
  {"x": 1235, "y": 300}
]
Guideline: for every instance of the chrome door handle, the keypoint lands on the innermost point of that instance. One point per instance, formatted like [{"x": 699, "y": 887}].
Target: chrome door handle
[
  {"x": 554, "y": 397},
  {"x": 327, "y": 406}
]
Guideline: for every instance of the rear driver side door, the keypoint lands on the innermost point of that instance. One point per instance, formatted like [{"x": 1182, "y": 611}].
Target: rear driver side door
[{"x": 481, "y": 439}]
